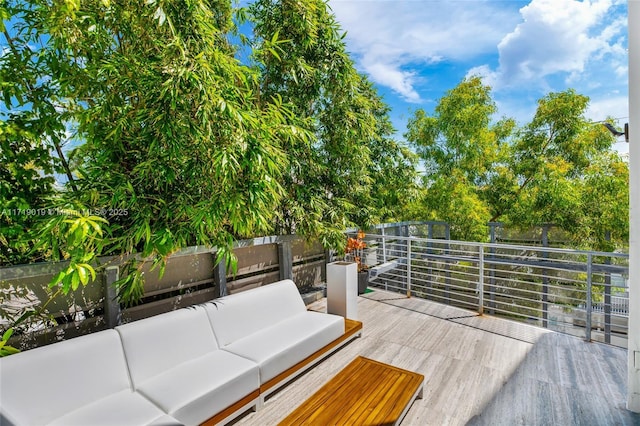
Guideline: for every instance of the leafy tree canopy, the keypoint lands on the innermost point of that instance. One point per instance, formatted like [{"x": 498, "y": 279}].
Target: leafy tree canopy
[
  {"x": 178, "y": 142},
  {"x": 558, "y": 169}
]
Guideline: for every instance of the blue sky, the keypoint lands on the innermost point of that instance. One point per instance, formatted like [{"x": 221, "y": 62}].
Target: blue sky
[{"x": 417, "y": 50}]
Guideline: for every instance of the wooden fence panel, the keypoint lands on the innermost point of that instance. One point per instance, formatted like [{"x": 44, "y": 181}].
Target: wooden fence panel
[
  {"x": 309, "y": 274},
  {"x": 252, "y": 281},
  {"x": 303, "y": 250},
  {"x": 256, "y": 259},
  {"x": 166, "y": 305},
  {"x": 181, "y": 272},
  {"x": 35, "y": 278}
]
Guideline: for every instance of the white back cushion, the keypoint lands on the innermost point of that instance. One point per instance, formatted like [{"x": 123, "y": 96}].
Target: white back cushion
[
  {"x": 39, "y": 385},
  {"x": 242, "y": 314},
  {"x": 156, "y": 344}
]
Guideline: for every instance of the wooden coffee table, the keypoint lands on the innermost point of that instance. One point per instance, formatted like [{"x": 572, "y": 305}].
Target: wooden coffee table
[{"x": 365, "y": 392}]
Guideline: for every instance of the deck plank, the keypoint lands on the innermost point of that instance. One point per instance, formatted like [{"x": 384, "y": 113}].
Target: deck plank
[{"x": 479, "y": 370}]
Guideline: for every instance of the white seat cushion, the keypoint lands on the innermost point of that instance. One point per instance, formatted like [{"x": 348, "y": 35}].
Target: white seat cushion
[
  {"x": 281, "y": 346},
  {"x": 194, "y": 391},
  {"x": 121, "y": 409},
  {"x": 242, "y": 314},
  {"x": 40, "y": 385},
  {"x": 157, "y": 344}
]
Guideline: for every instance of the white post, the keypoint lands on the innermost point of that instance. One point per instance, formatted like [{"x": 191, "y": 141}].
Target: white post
[
  {"x": 342, "y": 289},
  {"x": 633, "y": 385}
]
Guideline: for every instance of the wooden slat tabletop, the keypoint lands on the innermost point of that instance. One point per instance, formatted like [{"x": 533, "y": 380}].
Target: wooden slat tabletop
[{"x": 366, "y": 392}]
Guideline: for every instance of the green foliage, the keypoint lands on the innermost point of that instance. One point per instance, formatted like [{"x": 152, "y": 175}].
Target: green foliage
[
  {"x": 177, "y": 142},
  {"x": 460, "y": 136},
  {"x": 558, "y": 169},
  {"x": 6, "y": 349},
  {"x": 332, "y": 182},
  {"x": 461, "y": 150},
  {"x": 605, "y": 190},
  {"x": 77, "y": 236},
  {"x": 392, "y": 169},
  {"x": 32, "y": 128},
  {"x": 558, "y": 161},
  {"x": 454, "y": 200}
]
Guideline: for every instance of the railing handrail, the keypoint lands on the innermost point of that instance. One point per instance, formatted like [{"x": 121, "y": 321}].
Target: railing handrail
[{"x": 504, "y": 246}]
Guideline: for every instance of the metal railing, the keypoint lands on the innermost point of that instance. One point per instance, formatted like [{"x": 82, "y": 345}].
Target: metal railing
[{"x": 583, "y": 293}]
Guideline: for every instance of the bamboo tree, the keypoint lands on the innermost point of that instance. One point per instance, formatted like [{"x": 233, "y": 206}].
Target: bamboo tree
[
  {"x": 302, "y": 58},
  {"x": 177, "y": 147}
]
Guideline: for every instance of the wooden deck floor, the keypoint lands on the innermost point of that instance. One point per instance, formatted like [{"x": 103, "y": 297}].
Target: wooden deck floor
[{"x": 479, "y": 370}]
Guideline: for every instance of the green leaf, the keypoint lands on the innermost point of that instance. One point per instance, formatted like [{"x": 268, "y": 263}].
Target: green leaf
[
  {"x": 4, "y": 15},
  {"x": 82, "y": 275},
  {"x": 56, "y": 279},
  {"x": 74, "y": 281},
  {"x": 7, "y": 335}
]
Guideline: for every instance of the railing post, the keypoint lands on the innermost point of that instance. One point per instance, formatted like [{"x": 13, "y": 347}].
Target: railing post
[
  {"x": 285, "y": 260},
  {"x": 545, "y": 278},
  {"x": 481, "y": 280},
  {"x": 112, "y": 313},
  {"x": 384, "y": 246},
  {"x": 220, "y": 277},
  {"x": 589, "y": 304},
  {"x": 408, "y": 268},
  {"x": 429, "y": 278},
  {"x": 607, "y": 296},
  {"x": 492, "y": 271},
  {"x": 447, "y": 265},
  {"x": 328, "y": 258}
]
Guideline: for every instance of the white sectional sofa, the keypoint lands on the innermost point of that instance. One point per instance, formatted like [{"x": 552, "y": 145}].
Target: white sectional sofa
[
  {"x": 271, "y": 327},
  {"x": 174, "y": 361},
  {"x": 82, "y": 381},
  {"x": 203, "y": 364}
]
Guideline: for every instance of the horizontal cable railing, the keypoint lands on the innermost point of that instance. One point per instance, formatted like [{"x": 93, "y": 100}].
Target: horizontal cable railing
[{"x": 583, "y": 293}]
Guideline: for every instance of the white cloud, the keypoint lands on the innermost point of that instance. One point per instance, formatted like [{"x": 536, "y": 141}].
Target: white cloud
[
  {"x": 393, "y": 40},
  {"x": 392, "y": 77},
  {"x": 557, "y": 36}
]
